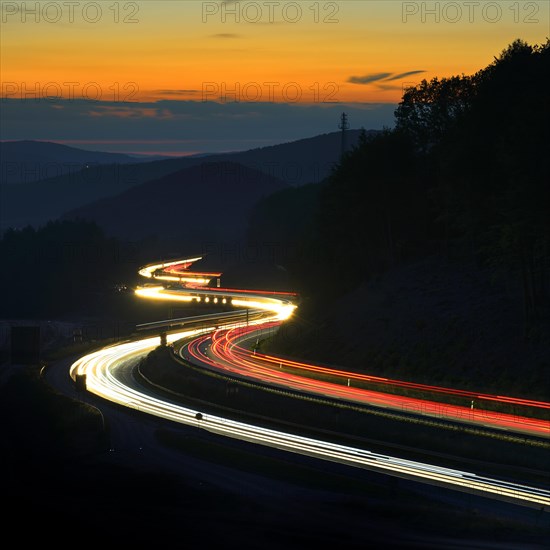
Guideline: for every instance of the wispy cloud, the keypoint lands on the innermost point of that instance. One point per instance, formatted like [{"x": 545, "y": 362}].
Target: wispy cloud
[
  {"x": 381, "y": 77},
  {"x": 404, "y": 75},
  {"x": 206, "y": 126},
  {"x": 388, "y": 87},
  {"x": 368, "y": 78},
  {"x": 176, "y": 92},
  {"x": 129, "y": 112},
  {"x": 226, "y": 35}
]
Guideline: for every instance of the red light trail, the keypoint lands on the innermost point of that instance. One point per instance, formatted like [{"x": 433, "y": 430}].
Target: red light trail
[{"x": 225, "y": 353}]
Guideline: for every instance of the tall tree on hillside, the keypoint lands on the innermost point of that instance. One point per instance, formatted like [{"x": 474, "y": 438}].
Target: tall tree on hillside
[
  {"x": 371, "y": 209},
  {"x": 57, "y": 268},
  {"x": 428, "y": 111},
  {"x": 496, "y": 163}
]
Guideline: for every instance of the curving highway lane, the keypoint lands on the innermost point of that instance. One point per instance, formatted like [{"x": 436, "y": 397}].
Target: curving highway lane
[
  {"x": 104, "y": 377},
  {"x": 225, "y": 349}
]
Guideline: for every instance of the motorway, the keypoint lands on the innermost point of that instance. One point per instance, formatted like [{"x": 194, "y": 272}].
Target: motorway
[
  {"x": 226, "y": 350},
  {"x": 106, "y": 376}
]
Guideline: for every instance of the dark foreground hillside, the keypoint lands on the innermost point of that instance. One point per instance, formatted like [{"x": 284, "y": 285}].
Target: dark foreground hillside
[
  {"x": 432, "y": 321},
  {"x": 427, "y": 256}
]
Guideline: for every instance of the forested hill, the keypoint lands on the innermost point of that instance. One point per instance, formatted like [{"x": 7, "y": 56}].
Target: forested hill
[
  {"x": 70, "y": 180},
  {"x": 459, "y": 189},
  {"x": 29, "y": 161},
  {"x": 193, "y": 208}
]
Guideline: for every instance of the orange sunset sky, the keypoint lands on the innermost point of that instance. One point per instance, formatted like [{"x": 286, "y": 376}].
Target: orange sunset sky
[
  {"x": 183, "y": 49},
  {"x": 178, "y": 77}
]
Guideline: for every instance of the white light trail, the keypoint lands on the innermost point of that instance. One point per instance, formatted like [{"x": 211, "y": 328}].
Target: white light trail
[
  {"x": 149, "y": 270},
  {"x": 102, "y": 367}
]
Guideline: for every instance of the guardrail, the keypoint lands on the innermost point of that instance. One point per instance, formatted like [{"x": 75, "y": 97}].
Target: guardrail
[{"x": 184, "y": 321}]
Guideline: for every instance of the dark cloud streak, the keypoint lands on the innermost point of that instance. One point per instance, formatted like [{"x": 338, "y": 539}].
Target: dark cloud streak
[
  {"x": 205, "y": 126},
  {"x": 381, "y": 77},
  {"x": 367, "y": 79},
  {"x": 226, "y": 35},
  {"x": 404, "y": 75}
]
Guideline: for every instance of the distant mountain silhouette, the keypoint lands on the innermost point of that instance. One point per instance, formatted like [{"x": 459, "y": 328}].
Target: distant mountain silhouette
[
  {"x": 35, "y": 203},
  {"x": 31, "y": 161},
  {"x": 304, "y": 161},
  {"x": 308, "y": 160},
  {"x": 194, "y": 207}
]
